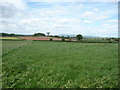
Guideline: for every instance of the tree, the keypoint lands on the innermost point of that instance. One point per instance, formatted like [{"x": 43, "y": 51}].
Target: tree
[
  {"x": 4, "y": 34},
  {"x": 79, "y": 37},
  {"x": 56, "y": 36},
  {"x": 39, "y": 34},
  {"x": 12, "y": 34},
  {"x": 48, "y": 33}
]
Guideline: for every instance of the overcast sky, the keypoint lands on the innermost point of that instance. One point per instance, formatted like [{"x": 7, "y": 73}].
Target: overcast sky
[{"x": 60, "y": 17}]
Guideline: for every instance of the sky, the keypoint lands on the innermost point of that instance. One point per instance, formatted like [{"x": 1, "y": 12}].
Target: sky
[{"x": 90, "y": 18}]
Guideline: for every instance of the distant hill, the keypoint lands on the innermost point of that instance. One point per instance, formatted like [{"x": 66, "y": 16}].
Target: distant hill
[
  {"x": 66, "y": 35},
  {"x": 90, "y": 36}
]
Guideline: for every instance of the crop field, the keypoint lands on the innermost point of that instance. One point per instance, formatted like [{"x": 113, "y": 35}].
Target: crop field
[
  {"x": 45, "y": 64},
  {"x": 40, "y": 38},
  {"x": 10, "y": 38}
]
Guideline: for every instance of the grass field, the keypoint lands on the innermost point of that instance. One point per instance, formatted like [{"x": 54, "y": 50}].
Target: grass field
[
  {"x": 11, "y": 45},
  {"x": 41, "y": 64}
]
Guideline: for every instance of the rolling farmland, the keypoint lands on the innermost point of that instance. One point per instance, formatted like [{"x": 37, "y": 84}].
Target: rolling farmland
[
  {"x": 59, "y": 44},
  {"x": 30, "y": 64}
]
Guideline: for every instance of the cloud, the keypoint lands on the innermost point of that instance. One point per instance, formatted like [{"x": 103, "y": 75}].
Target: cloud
[
  {"x": 111, "y": 24},
  {"x": 12, "y": 8},
  {"x": 10, "y": 13},
  {"x": 58, "y": 18},
  {"x": 72, "y": 0},
  {"x": 94, "y": 16},
  {"x": 103, "y": 0},
  {"x": 88, "y": 14},
  {"x": 7, "y": 10},
  {"x": 96, "y": 9},
  {"x": 86, "y": 21},
  {"x": 16, "y": 3},
  {"x": 111, "y": 21}
]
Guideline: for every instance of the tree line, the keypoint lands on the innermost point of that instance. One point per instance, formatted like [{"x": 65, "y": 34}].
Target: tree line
[
  {"x": 12, "y": 35},
  {"x": 79, "y": 36}
]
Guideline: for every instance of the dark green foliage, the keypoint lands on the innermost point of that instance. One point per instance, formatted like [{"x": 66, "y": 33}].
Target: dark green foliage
[
  {"x": 63, "y": 39},
  {"x": 51, "y": 39},
  {"x": 79, "y": 37},
  {"x": 39, "y": 34},
  {"x": 56, "y": 36},
  {"x": 12, "y": 34},
  {"x": 4, "y": 34}
]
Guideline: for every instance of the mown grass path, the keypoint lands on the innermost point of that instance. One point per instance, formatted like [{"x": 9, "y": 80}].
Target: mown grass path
[{"x": 61, "y": 65}]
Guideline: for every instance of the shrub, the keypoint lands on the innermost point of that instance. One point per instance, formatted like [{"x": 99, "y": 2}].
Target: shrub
[
  {"x": 63, "y": 39},
  {"x": 51, "y": 39}
]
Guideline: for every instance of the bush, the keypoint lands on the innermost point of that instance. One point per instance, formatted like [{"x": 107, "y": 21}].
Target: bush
[
  {"x": 51, "y": 39},
  {"x": 63, "y": 39}
]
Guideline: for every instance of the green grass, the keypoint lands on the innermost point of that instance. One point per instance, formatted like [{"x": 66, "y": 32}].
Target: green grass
[
  {"x": 11, "y": 45},
  {"x": 59, "y": 65}
]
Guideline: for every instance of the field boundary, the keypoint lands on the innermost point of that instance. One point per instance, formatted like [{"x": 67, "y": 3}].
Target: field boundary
[
  {"x": 77, "y": 41},
  {"x": 12, "y": 40}
]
